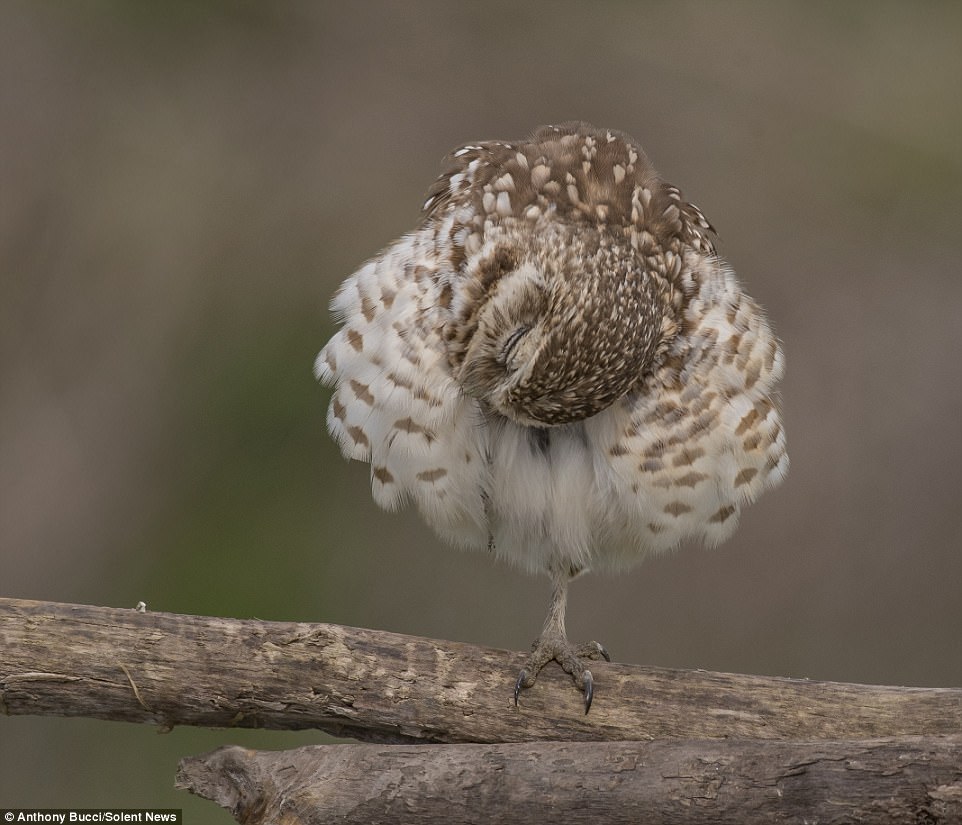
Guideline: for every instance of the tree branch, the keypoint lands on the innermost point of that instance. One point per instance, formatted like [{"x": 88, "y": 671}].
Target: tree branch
[
  {"x": 168, "y": 669},
  {"x": 910, "y": 780}
]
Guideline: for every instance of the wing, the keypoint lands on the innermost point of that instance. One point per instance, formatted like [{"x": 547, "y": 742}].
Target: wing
[
  {"x": 703, "y": 436},
  {"x": 395, "y": 404}
]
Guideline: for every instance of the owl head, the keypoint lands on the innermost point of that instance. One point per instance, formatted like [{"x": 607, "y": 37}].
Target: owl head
[
  {"x": 566, "y": 270},
  {"x": 567, "y": 323}
]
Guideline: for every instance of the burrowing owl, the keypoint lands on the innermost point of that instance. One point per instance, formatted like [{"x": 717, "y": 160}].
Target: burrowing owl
[{"x": 556, "y": 367}]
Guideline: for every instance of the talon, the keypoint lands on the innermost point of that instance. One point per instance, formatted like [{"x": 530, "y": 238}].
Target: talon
[
  {"x": 522, "y": 677},
  {"x": 604, "y": 653},
  {"x": 589, "y": 684}
]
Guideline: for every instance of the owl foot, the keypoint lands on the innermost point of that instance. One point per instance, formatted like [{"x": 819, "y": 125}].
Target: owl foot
[{"x": 553, "y": 647}]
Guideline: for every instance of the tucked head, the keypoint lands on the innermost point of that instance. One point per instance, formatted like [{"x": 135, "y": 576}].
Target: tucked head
[
  {"x": 568, "y": 320},
  {"x": 566, "y": 256}
]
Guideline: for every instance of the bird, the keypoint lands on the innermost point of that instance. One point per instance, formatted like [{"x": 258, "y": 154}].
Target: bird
[{"x": 556, "y": 367}]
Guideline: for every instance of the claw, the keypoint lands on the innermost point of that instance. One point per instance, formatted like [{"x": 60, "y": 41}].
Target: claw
[
  {"x": 589, "y": 684},
  {"x": 593, "y": 650},
  {"x": 519, "y": 685}
]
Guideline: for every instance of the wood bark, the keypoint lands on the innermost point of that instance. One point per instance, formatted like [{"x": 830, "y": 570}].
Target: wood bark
[
  {"x": 913, "y": 780},
  {"x": 168, "y": 669},
  {"x": 728, "y": 748}
]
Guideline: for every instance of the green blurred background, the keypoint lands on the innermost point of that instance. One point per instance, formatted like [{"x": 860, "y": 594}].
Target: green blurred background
[{"x": 184, "y": 184}]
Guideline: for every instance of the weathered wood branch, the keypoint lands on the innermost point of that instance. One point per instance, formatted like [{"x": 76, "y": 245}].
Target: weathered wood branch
[
  {"x": 897, "y": 754},
  {"x": 910, "y": 780},
  {"x": 168, "y": 669}
]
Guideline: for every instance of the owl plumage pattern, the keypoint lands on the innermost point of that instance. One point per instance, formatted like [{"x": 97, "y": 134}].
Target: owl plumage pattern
[{"x": 555, "y": 365}]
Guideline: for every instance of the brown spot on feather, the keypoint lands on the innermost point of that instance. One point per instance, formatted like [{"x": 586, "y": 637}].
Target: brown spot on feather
[
  {"x": 410, "y": 426},
  {"x": 367, "y": 307},
  {"x": 362, "y": 391},
  {"x": 359, "y": 436},
  {"x": 722, "y": 514},
  {"x": 432, "y": 475},
  {"x": 687, "y": 457},
  {"x": 747, "y": 420},
  {"x": 745, "y": 476},
  {"x": 382, "y": 474}
]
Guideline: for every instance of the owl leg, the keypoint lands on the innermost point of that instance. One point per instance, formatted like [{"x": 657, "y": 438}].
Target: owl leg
[{"x": 553, "y": 645}]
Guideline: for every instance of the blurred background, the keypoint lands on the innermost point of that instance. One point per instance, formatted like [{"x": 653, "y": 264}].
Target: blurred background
[{"x": 184, "y": 184}]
